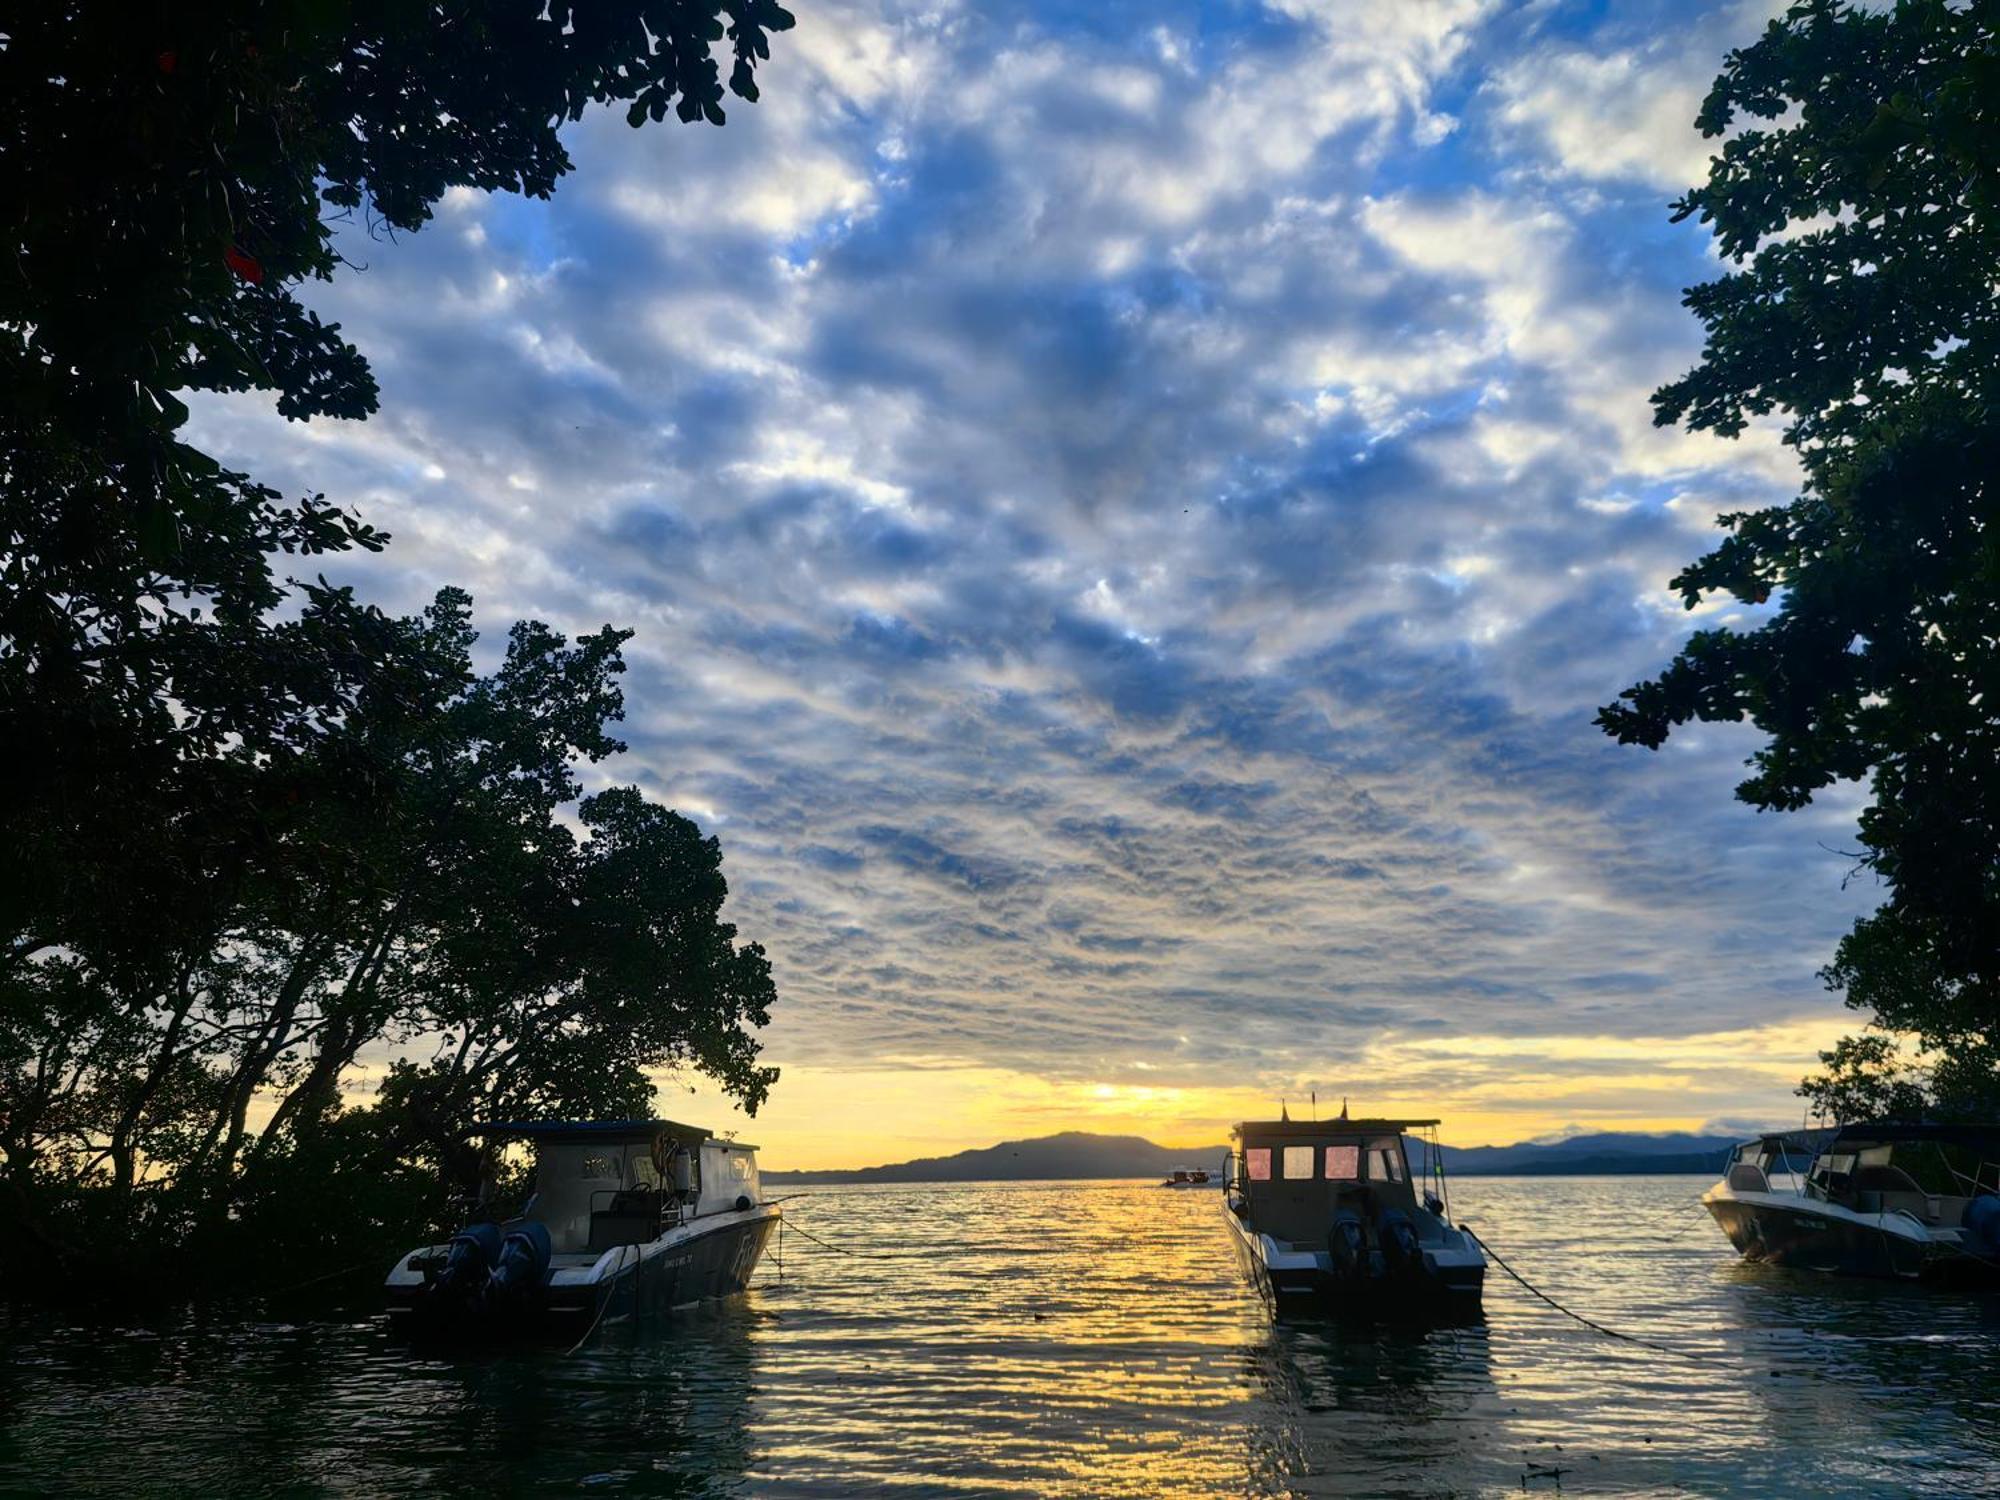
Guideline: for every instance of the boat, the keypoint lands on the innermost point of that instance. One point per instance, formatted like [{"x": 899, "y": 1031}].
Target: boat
[
  {"x": 626, "y": 1217},
  {"x": 1328, "y": 1212},
  {"x": 1190, "y": 1177},
  {"x": 1884, "y": 1198}
]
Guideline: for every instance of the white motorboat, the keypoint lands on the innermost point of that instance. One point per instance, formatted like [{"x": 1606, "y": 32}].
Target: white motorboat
[
  {"x": 1882, "y": 1199},
  {"x": 1327, "y": 1211},
  {"x": 627, "y": 1217}
]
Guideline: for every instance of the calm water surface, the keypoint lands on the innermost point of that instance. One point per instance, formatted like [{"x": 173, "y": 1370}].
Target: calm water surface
[{"x": 1088, "y": 1339}]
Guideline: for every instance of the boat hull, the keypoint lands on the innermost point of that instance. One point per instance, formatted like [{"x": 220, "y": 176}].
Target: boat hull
[
  {"x": 1306, "y": 1281},
  {"x": 689, "y": 1264},
  {"x": 717, "y": 1262},
  {"x": 1807, "y": 1235}
]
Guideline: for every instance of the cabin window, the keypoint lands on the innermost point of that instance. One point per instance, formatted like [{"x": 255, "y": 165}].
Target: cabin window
[
  {"x": 739, "y": 1167},
  {"x": 1876, "y": 1156},
  {"x": 1257, "y": 1162},
  {"x": 1343, "y": 1163},
  {"x": 1383, "y": 1165},
  {"x": 1298, "y": 1163}
]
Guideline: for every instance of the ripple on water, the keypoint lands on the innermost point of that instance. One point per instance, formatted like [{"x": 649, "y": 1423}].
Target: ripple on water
[{"x": 1071, "y": 1339}]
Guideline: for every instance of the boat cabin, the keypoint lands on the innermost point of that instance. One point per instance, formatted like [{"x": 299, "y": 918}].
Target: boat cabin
[
  {"x": 1293, "y": 1175},
  {"x": 1931, "y": 1172},
  {"x": 602, "y": 1184}
]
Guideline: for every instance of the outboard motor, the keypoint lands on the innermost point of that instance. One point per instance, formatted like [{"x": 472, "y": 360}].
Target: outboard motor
[
  {"x": 1982, "y": 1226},
  {"x": 523, "y": 1262},
  {"x": 468, "y": 1259},
  {"x": 1401, "y": 1255},
  {"x": 1349, "y": 1246}
]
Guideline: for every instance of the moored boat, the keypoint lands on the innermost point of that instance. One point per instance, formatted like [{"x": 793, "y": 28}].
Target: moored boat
[
  {"x": 627, "y": 1217},
  {"x": 1189, "y": 1177},
  {"x": 1328, "y": 1212},
  {"x": 1884, "y": 1199}
]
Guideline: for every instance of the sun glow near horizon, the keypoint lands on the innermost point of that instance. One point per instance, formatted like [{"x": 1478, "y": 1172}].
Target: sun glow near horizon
[{"x": 1487, "y": 1090}]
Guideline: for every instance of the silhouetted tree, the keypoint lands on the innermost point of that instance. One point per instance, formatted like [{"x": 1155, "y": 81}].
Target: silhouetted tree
[
  {"x": 436, "y": 907},
  {"x": 1864, "y": 1078},
  {"x": 215, "y": 775},
  {"x": 1859, "y": 203},
  {"x": 166, "y": 179}
]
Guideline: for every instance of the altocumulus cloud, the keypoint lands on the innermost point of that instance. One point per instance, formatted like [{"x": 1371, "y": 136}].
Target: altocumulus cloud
[{"x": 1128, "y": 513}]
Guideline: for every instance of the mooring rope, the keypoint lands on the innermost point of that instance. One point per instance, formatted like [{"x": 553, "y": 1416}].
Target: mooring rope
[
  {"x": 299, "y": 1286},
  {"x": 841, "y": 1249},
  {"x": 1630, "y": 1338},
  {"x": 1690, "y": 1223},
  {"x": 610, "y": 1292}
]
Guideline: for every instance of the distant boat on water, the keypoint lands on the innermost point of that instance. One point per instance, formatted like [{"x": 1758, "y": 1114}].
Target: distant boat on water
[
  {"x": 1884, "y": 1199},
  {"x": 1191, "y": 1177},
  {"x": 1327, "y": 1211},
  {"x": 627, "y": 1217}
]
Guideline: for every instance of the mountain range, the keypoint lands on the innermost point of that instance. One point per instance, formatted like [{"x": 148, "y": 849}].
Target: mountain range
[{"x": 1077, "y": 1154}]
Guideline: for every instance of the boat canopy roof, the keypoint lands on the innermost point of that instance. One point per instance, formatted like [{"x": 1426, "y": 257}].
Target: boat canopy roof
[
  {"x": 1804, "y": 1139},
  {"x": 1887, "y": 1132},
  {"x": 594, "y": 1130},
  {"x": 1313, "y": 1130}
]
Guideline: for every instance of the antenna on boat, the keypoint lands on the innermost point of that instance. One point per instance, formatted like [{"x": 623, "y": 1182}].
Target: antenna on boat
[
  {"x": 1284, "y": 1114},
  {"x": 1315, "y": 1094},
  {"x": 1343, "y": 1106}
]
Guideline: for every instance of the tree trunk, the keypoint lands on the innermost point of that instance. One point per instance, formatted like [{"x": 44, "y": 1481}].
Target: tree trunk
[
  {"x": 346, "y": 1032},
  {"x": 232, "y": 1121},
  {"x": 124, "y": 1151}
]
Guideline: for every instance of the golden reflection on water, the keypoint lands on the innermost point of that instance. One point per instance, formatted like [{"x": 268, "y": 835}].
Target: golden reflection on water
[{"x": 1071, "y": 1340}]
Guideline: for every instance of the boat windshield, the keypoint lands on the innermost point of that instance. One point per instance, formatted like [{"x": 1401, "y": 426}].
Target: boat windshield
[
  {"x": 1377, "y": 1160},
  {"x": 1830, "y": 1173}
]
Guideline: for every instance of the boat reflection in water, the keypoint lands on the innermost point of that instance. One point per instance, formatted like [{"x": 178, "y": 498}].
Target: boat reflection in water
[
  {"x": 1324, "y": 1216},
  {"x": 1378, "y": 1409},
  {"x": 631, "y": 1411}
]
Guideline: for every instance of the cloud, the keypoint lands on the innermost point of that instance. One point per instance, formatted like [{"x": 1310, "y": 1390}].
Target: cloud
[
  {"x": 1128, "y": 516},
  {"x": 1617, "y": 104}
]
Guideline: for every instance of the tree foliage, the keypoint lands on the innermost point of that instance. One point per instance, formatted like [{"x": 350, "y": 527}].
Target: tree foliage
[
  {"x": 1865, "y": 1078},
  {"x": 168, "y": 177},
  {"x": 1858, "y": 202},
  {"x": 249, "y": 818},
  {"x": 450, "y": 910}
]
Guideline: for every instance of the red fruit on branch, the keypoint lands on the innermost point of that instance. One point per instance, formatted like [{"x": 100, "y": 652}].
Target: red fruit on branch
[
  {"x": 243, "y": 265},
  {"x": 167, "y": 60}
]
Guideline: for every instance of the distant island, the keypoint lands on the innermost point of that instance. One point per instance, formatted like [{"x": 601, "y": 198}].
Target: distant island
[
  {"x": 1077, "y": 1154},
  {"x": 1070, "y": 1155}
]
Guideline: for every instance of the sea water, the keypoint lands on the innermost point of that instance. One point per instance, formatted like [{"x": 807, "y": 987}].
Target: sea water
[{"x": 1071, "y": 1339}]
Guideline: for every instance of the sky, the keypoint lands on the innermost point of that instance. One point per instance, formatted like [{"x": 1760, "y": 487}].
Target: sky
[{"x": 1128, "y": 514}]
